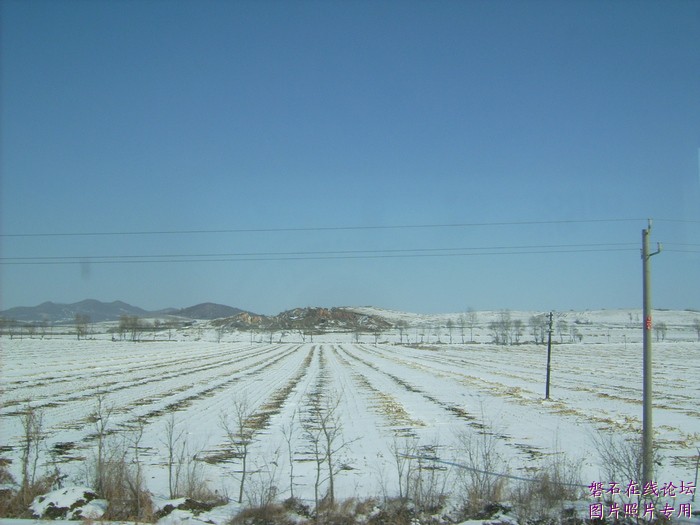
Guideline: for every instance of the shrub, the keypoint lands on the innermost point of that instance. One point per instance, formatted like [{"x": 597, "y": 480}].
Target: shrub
[
  {"x": 544, "y": 499},
  {"x": 274, "y": 514}
]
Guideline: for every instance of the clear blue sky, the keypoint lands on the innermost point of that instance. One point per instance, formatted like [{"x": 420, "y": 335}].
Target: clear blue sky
[{"x": 132, "y": 116}]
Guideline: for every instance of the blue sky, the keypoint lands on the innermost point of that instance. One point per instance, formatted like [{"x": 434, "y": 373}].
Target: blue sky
[{"x": 173, "y": 116}]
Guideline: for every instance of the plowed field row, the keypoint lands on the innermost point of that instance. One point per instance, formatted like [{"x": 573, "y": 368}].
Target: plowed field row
[{"x": 381, "y": 394}]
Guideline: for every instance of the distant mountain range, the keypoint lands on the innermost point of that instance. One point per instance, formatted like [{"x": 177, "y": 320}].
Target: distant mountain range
[{"x": 98, "y": 311}]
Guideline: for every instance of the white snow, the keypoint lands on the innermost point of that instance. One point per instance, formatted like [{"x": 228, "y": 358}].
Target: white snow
[
  {"x": 72, "y": 498},
  {"x": 430, "y": 392}
]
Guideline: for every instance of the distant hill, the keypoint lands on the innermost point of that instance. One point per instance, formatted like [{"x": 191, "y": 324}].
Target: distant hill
[
  {"x": 65, "y": 313},
  {"x": 206, "y": 311},
  {"x": 98, "y": 311},
  {"x": 307, "y": 319}
]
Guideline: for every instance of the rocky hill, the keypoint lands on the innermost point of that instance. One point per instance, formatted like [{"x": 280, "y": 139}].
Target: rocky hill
[
  {"x": 206, "y": 311},
  {"x": 308, "y": 319}
]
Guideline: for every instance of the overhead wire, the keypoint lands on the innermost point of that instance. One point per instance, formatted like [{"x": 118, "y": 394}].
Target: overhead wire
[
  {"x": 330, "y": 254},
  {"x": 313, "y": 228},
  {"x": 321, "y": 255}
]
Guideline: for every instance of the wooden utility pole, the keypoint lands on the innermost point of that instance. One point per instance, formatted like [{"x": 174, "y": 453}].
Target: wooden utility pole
[
  {"x": 647, "y": 428},
  {"x": 549, "y": 353}
]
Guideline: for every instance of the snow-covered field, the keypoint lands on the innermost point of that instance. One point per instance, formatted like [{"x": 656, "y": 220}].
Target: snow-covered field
[{"x": 386, "y": 393}]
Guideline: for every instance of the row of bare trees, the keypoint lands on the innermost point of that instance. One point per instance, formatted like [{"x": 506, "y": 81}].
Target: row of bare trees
[
  {"x": 114, "y": 468},
  {"x": 19, "y": 329}
]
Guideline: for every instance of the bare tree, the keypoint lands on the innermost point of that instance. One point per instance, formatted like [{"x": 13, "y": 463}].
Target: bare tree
[
  {"x": 175, "y": 445},
  {"x": 81, "y": 325},
  {"x": 482, "y": 454},
  {"x": 100, "y": 418},
  {"x": 323, "y": 431},
  {"x": 696, "y": 326},
  {"x": 43, "y": 325},
  {"x": 575, "y": 334},
  {"x": 450, "y": 326},
  {"x": 505, "y": 326},
  {"x": 472, "y": 320},
  {"x": 262, "y": 489},
  {"x": 239, "y": 434},
  {"x": 220, "y": 332},
  {"x": 462, "y": 323},
  {"x": 32, "y": 437},
  {"x": 538, "y": 328},
  {"x": 428, "y": 484},
  {"x": 622, "y": 457},
  {"x": 661, "y": 328},
  {"x": 518, "y": 330},
  {"x": 123, "y": 326},
  {"x": 288, "y": 431},
  {"x": 404, "y": 453},
  {"x": 436, "y": 332},
  {"x": 134, "y": 480},
  {"x": 401, "y": 326},
  {"x": 495, "y": 332},
  {"x": 130, "y": 323},
  {"x": 562, "y": 328}
]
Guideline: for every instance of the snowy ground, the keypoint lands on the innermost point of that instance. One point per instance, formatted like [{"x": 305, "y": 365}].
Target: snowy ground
[{"x": 386, "y": 393}]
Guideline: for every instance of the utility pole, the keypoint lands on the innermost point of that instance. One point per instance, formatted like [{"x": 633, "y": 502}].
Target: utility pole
[
  {"x": 549, "y": 354},
  {"x": 647, "y": 429}
]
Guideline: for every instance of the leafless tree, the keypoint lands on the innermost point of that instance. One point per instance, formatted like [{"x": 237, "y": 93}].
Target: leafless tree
[
  {"x": 32, "y": 438},
  {"x": 323, "y": 432},
  {"x": 100, "y": 418},
  {"x": 472, "y": 320},
  {"x": 518, "y": 329},
  {"x": 450, "y": 326},
  {"x": 401, "y": 327},
  {"x": 428, "y": 484},
  {"x": 505, "y": 326},
  {"x": 174, "y": 444},
  {"x": 134, "y": 479},
  {"x": 436, "y": 332},
  {"x": 239, "y": 434},
  {"x": 575, "y": 334},
  {"x": 289, "y": 431},
  {"x": 661, "y": 328},
  {"x": 538, "y": 327},
  {"x": 43, "y": 325},
  {"x": 81, "y": 325},
  {"x": 462, "y": 323},
  {"x": 130, "y": 323},
  {"x": 356, "y": 334},
  {"x": 404, "y": 453},
  {"x": 495, "y": 332},
  {"x": 220, "y": 332},
  {"x": 481, "y": 452},
  {"x": 562, "y": 328},
  {"x": 696, "y": 326}
]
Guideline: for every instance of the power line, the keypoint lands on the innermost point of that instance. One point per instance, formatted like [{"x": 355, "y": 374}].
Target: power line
[
  {"x": 686, "y": 221},
  {"x": 480, "y": 471},
  {"x": 291, "y": 256},
  {"x": 313, "y": 228},
  {"x": 325, "y": 252}
]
